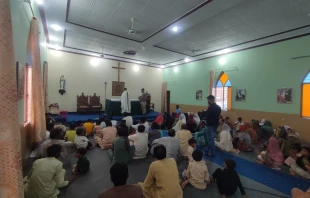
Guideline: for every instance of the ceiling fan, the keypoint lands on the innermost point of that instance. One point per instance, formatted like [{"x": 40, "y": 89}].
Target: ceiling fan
[
  {"x": 192, "y": 48},
  {"x": 132, "y": 30}
]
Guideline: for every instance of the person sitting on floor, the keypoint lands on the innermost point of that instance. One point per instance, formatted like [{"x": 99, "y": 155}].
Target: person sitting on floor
[
  {"x": 273, "y": 157},
  {"x": 56, "y": 137},
  {"x": 172, "y": 144},
  {"x": 169, "y": 121},
  {"x": 108, "y": 134},
  {"x": 79, "y": 124},
  {"x": 159, "y": 119},
  {"x": 294, "y": 154},
  {"x": 132, "y": 131},
  {"x": 128, "y": 118},
  {"x": 98, "y": 128},
  {"x": 184, "y": 135},
  {"x": 197, "y": 119},
  {"x": 228, "y": 122},
  {"x": 89, "y": 127},
  {"x": 190, "y": 149},
  {"x": 154, "y": 134},
  {"x": 143, "y": 122},
  {"x": 81, "y": 141},
  {"x": 225, "y": 141},
  {"x": 242, "y": 140},
  {"x": 119, "y": 175},
  {"x": 70, "y": 134},
  {"x": 250, "y": 130},
  {"x": 197, "y": 173},
  {"x": 201, "y": 126},
  {"x": 228, "y": 180},
  {"x": 191, "y": 123},
  {"x": 46, "y": 175},
  {"x": 82, "y": 165},
  {"x": 238, "y": 123},
  {"x": 302, "y": 166},
  {"x": 140, "y": 141},
  {"x": 287, "y": 143},
  {"x": 162, "y": 179},
  {"x": 121, "y": 151}
]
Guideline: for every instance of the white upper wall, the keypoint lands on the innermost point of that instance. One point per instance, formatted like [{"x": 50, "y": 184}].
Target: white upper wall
[{"x": 81, "y": 76}]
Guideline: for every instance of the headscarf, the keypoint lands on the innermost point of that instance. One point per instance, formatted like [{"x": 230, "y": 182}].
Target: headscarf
[
  {"x": 178, "y": 126},
  {"x": 225, "y": 127},
  {"x": 197, "y": 119},
  {"x": 274, "y": 151},
  {"x": 251, "y": 131},
  {"x": 190, "y": 120},
  {"x": 199, "y": 126},
  {"x": 182, "y": 118},
  {"x": 159, "y": 119}
]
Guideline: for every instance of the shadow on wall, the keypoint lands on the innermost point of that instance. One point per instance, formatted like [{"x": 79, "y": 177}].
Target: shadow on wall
[{"x": 301, "y": 125}]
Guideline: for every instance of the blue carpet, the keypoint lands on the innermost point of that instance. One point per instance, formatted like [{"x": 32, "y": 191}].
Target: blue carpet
[
  {"x": 85, "y": 116},
  {"x": 274, "y": 179}
]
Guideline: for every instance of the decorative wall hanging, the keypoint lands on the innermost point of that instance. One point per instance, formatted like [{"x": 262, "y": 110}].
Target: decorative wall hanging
[
  {"x": 62, "y": 84},
  {"x": 284, "y": 96},
  {"x": 240, "y": 95},
  {"x": 199, "y": 95}
]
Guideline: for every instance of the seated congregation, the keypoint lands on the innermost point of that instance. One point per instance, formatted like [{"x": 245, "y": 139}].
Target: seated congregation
[{"x": 189, "y": 137}]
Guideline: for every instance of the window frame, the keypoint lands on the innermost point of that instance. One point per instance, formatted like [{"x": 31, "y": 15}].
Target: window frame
[
  {"x": 229, "y": 92},
  {"x": 302, "y": 94}
]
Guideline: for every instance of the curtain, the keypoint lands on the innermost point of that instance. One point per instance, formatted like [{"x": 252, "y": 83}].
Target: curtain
[
  {"x": 164, "y": 97},
  {"x": 211, "y": 84},
  {"x": 10, "y": 141},
  {"x": 45, "y": 85},
  {"x": 36, "y": 103}
]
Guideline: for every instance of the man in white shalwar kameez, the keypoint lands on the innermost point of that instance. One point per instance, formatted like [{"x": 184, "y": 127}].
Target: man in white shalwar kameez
[{"x": 125, "y": 102}]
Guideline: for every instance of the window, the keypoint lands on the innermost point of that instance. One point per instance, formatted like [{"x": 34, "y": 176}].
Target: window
[
  {"x": 305, "y": 96},
  {"x": 222, "y": 92},
  {"x": 28, "y": 89}
]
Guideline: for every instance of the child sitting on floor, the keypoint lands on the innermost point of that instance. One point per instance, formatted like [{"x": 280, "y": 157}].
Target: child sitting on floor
[
  {"x": 81, "y": 141},
  {"x": 70, "y": 134},
  {"x": 82, "y": 165},
  {"x": 302, "y": 166},
  {"x": 98, "y": 128},
  {"x": 197, "y": 173},
  {"x": 191, "y": 148},
  {"x": 238, "y": 123}
]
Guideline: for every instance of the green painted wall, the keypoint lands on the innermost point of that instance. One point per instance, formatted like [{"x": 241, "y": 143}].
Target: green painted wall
[
  {"x": 261, "y": 71},
  {"x": 21, "y": 17}
]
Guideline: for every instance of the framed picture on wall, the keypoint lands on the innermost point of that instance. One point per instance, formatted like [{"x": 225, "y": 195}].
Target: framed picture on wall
[
  {"x": 284, "y": 96},
  {"x": 240, "y": 95},
  {"x": 20, "y": 79},
  {"x": 199, "y": 95}
]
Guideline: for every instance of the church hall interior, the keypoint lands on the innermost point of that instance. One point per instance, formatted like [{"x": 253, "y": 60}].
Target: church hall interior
[{"x": 154, "y": 98}]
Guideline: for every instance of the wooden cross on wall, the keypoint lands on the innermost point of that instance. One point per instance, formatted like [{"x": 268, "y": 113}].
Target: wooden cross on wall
[{"x": 119, "y": 69}]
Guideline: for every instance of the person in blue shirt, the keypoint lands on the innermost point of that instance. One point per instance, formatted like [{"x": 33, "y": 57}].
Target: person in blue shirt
[{"x": 178, "y": 110}]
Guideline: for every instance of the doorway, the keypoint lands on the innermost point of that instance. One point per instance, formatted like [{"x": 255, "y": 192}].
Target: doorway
[{"x": 168, "y": 102}]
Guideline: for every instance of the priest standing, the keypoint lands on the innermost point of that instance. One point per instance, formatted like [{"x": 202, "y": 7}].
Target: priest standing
[
  {"x": 125, "y": 103},
  {"x": 142, "y": 99}
]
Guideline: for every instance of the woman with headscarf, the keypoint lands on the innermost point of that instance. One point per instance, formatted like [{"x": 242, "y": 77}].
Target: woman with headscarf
[
  {"x": 169, "y": 120},
  {"x": 197, "y": 119},
  {"x": 225, "y": 142},
  {"x": 273, "y": 157},
  {"x": 251, "y": 132},
  {"x": 191, "y": 124},
  {"x": 182, "y": 118},
  {"x": 178, "y": 125},
  {"x": 159, "y": 119}
]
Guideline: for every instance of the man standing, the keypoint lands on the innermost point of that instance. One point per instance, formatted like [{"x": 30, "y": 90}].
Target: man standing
[
  {"x": 212, "y": 118},
  {"x": 142, "y": 99},
  {"x": 178, "y": 110},
  {"x": 125, "y": 103}
]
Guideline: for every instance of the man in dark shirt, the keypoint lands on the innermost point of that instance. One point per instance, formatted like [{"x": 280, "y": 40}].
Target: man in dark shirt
[{"x": 212, "y": 118}]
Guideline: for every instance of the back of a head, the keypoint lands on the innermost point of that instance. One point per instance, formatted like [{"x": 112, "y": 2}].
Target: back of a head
[
  {"x": 184, "y": 127},
  {"x": 191, "y": 141},
  {"x": 81, "y": 151},
  {"x": 125, "y": 114},
  {"x": 231, "y": 164},
  {"x": 108, "y": 123},
  {"x": 72, "y": 126},
  {"x": 119, "y": 174},
  {"x": 79, "y": 131},
  {"x": 155, "y": 125},
  {"x": 160, "y": 152},
  {"x": 239, "y": 119},
  {"x": 53, "y": 150},
  {"x": 177, "y": 106},
  {"x": 171, "y": 133},
  {"x": 141, "y": 128},
  {"x": 98, "y": 122},
  {"x": 50, "y": 126},
  {"x": 89, "y": 120},
  {"x": 197, "y": 155},
  {"x": 55, "y": 133},
  {"x": 122, "y": 131}
]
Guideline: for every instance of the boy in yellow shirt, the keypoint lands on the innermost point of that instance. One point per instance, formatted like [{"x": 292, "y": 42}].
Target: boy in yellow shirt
[
  {"x": 89, "y": 126},
  {"x": 70, "y": 135}
]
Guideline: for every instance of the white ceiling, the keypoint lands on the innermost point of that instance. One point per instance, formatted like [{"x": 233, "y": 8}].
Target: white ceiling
[{"x": 95, "y": 26}]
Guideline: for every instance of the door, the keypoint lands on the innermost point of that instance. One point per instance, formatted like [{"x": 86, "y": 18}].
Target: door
[{"x": 168, "y": 102}]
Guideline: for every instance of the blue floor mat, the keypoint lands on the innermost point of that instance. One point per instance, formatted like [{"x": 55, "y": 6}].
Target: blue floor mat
[{"x": 274, "y": 179}]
